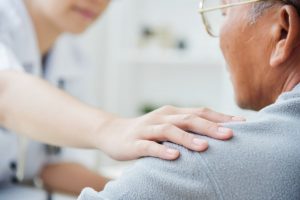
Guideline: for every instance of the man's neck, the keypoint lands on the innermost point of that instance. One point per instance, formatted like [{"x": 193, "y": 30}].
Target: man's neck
[
  {"x": 284, "y": 79},
  {"x": 291, "y": 72},
  {"x": 292, "y": 80},
  {"x": 46, "y": 32}
]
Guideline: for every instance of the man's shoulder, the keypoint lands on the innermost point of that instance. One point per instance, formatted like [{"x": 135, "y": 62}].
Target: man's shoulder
[
  {"x": 153, "y": 178},
  {"x": 260, "y": 162}
]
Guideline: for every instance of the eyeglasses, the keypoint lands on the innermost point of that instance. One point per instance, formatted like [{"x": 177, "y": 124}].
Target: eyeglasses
[{"x": 212, "y": 14}]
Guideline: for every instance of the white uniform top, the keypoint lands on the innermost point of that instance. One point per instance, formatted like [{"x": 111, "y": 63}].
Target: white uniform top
[{"x": 19, "y": 51}]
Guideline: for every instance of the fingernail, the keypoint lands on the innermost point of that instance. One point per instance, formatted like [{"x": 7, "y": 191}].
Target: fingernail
[
  {"x": 223, "y": 130},
  {"x": 172, "y": 152},
  {"x": 198, "y": 142},
  {"x": 238, "y": 118}
]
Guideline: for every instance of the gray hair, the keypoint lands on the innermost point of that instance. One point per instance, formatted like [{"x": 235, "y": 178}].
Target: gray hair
[{"x": 259, "y": 8}]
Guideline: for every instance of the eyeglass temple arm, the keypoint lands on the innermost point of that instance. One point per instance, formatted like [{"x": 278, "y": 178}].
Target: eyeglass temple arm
[{"x": 203, "y": 10}]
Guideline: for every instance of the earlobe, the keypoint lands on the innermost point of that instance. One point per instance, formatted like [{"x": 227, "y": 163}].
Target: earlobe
[
  {"x": 278, "y": 55},
  {"x": 286, "y": 35}
]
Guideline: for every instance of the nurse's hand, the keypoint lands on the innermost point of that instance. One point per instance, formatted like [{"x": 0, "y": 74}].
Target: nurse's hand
[{"x": 127, "y": 139}]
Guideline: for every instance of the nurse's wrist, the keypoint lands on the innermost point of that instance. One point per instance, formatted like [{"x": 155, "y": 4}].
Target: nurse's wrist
[{"x": 101, "y": 132}]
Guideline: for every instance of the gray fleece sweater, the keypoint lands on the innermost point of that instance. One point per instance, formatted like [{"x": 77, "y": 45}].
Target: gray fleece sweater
[{"x": 261, "y": 162}]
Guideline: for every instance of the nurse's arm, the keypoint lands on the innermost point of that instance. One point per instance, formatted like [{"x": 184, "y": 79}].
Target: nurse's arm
[
  {"x": 71, "y": 178},
  {"x": 32, "y": 107}
]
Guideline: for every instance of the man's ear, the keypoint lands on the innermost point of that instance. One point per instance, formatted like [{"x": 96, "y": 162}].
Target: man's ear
[{"x": 286, "y": 35}]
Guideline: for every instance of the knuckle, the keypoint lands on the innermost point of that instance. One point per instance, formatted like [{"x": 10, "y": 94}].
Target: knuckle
[
  {"x": 187, "y": 121},
  {"x": 148, "y": 148},
  {"x": 147, "y": 118},
  {"x": 211, "y": 128},
  {"x": 151, "y": 149},
  {"x": 151, "y": 118},
  {"x": 153, "y": 130},
  {"x": 166, "y": 127},
  {"x": 188, "y": 117},
  {"x": 184, "y": 139},
  {"x": 139, "y": 146},
  {"x": 143, "y": 147},
  {"x": 204, "y": 110}
]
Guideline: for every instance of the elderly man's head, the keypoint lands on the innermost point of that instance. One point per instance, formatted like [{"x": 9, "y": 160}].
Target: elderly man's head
[{"x": 261, "y": 44}]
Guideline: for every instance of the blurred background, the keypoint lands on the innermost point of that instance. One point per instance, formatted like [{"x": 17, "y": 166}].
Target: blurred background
[{"x": 146, "y": 54}]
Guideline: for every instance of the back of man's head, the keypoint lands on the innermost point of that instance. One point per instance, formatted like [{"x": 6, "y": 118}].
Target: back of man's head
[{"x": 261, "y": 44}]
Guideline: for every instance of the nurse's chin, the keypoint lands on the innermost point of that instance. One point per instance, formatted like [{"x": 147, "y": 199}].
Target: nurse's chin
[
  {"x": 77, "y": 25},
  {"x": 77, "y": 29}
]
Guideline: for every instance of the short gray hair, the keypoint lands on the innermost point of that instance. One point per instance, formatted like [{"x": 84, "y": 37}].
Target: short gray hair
[{"x": 260, "y": 7}]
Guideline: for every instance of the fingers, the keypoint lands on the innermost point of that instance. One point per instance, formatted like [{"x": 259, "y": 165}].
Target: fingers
[
  {"x": 153, "y": 149},
  {"x": 193, "y": 123},
  {"x": 201, "y": 112},
  {"x": 173, "y": 124},
  {"x": 169, "y": 132},
  {"x": 215, "y": 116}
]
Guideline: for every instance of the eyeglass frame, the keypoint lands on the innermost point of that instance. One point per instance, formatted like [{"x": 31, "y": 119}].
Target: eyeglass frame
[{"x": 205, "y": 10}]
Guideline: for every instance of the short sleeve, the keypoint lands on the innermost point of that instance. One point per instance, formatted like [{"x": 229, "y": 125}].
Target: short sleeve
[{"x": 8, "y": 60}]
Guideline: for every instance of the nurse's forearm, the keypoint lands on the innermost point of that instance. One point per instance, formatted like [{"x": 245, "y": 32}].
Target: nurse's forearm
[
  {"x": 71, "y": 178},
  {"x": 34, "y": 108}
]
